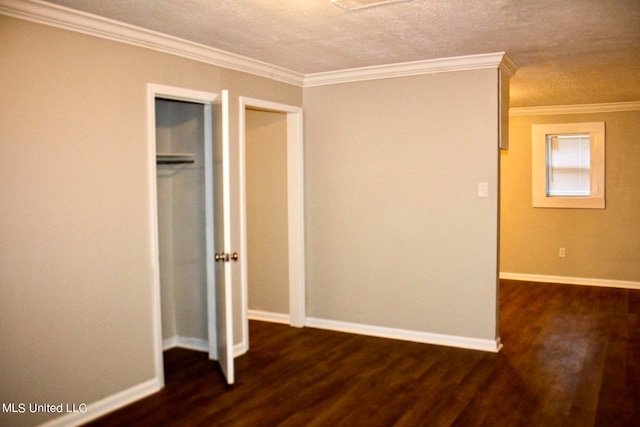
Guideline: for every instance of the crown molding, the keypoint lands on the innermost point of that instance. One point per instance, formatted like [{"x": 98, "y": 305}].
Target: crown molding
[
  {"x": 85, "y": 23},
  {"x": 69, "y": 19},
  {"x": 610, "y": 107},
  {"x": 507, "y": 65},
  {"x": 429, "y": 66}
]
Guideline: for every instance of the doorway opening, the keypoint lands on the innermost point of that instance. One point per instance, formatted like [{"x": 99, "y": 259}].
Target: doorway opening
[
  {"x": 266, "y": 198},
  {"x": 272, "y": 132}
]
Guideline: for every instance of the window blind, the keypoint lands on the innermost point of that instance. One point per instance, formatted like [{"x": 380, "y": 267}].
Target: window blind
[{"x": 568, "y": 165}]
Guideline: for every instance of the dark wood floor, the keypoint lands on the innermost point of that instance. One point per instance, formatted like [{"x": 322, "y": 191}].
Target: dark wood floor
[{"x": 571, "y": 357}]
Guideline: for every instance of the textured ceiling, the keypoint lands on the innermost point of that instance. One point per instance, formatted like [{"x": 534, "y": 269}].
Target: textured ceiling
[{"x": 567, "y": 51}]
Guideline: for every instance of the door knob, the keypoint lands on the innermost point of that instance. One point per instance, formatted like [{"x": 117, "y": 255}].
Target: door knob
[{"x": 224, "y": 257}]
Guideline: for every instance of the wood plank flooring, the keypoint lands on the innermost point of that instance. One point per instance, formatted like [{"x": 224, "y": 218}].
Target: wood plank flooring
[{"x": 571, "y": 357}]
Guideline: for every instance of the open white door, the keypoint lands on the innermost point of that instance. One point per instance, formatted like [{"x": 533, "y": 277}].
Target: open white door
[{"x": 219, "y": 290}]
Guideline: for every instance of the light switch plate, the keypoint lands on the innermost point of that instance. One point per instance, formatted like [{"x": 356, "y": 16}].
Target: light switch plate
[{"x": 483, "y": 189}]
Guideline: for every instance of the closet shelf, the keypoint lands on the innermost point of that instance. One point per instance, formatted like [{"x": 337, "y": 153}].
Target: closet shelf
[{"x": 173, "y": 158}]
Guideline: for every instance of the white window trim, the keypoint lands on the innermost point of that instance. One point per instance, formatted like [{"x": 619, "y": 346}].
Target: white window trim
[{"x": 596, "y": 199}]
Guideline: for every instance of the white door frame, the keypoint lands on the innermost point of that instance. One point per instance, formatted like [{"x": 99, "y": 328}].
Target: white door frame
[
  {"x": 178, "y": 94},
  {"x": 295, "y": 210}
]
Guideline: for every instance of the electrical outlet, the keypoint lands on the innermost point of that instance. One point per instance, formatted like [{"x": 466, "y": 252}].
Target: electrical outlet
[{"x": 562, "y": 253}]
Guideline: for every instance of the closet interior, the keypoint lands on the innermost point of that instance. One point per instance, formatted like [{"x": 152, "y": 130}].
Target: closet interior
[{"x": 180, "y": 158}]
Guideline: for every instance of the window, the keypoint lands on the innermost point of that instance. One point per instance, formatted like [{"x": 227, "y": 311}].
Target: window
[{"x": 568, "y": 165}]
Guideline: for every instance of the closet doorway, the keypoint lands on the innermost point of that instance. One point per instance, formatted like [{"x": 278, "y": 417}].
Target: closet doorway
[
  {"x": 272, "y": 227},
  {"x": 191, "y": 223}
]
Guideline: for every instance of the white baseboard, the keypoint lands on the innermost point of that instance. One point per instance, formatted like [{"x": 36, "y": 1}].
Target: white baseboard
[
  {"x": 607, "y": 283},
  {"x": 101, "y": 407},
  {"x": 240, "y": 348},
  {"x": 267, "y": 316},
  {"x": 197, "y": 344},
  {"x": 493, "y": 346}
]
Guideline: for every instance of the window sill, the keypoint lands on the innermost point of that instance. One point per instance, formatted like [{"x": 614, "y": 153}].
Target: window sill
[{"x": 569, "y": 202}]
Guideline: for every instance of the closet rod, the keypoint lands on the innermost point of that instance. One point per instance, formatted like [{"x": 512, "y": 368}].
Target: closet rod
[
  {"x": 173, "y": 158},
  {"x": 172, "y": 161}
]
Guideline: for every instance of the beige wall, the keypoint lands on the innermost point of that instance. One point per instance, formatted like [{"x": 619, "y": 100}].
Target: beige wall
[
  {"x": 267, "y": 232},
  {"x": 600, "y": 244},
  {"x": 75, "y": 257},
  {"x": 396, "y": 234}
]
